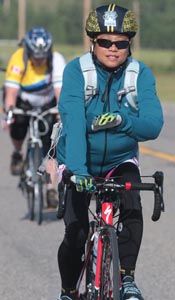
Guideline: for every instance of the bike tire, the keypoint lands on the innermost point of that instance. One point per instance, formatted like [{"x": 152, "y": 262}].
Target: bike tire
[
  {"x": 30, "y": 203},
  {"x": 30, "y": 190},
  {"x": 25, "y": 183},
  {"x": 90, "y": 276},
  {"x": 110, "y": 268},
  {"x": 38, "y": 185}
]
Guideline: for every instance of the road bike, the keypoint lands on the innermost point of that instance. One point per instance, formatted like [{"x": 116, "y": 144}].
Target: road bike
[
  {"x": 31, "y": 183},
  {"x": 101, "y": 269}
]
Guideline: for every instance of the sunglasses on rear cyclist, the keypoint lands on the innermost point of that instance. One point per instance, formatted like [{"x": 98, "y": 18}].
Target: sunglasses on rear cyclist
[{"x": 107, "y": 43}]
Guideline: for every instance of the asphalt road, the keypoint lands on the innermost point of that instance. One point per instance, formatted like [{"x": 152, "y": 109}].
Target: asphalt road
[{"x": 28, "y": 252}]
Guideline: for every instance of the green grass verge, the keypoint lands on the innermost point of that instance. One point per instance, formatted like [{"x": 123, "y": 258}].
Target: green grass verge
[
  {"x": 158, "y": 60},
  {"x": 166, "y": 86}
]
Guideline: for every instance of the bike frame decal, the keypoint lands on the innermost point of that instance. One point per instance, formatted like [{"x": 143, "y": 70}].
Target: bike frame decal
[{"x": 107, "y": 216}]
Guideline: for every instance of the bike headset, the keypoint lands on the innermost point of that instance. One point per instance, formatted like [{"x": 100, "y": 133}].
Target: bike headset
[
  {"x": 38, "y": 43},
  {"x": 110, "y": 19}
]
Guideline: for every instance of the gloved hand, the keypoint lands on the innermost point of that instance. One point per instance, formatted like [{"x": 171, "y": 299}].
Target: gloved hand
[
  {"x": 8, "y": 119},
  {"x": 9, "y": 115},
  {"x": 83, "y": 183},
  {"x": 106, "y": 121}
]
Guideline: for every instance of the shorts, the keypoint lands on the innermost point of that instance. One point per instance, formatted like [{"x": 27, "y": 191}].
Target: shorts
[
  {"x": 18, "y": 129},
  {"x": 128, "y": 171}
]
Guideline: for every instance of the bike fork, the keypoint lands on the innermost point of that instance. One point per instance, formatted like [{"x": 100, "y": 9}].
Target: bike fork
[{"x": 98, "y": 268}]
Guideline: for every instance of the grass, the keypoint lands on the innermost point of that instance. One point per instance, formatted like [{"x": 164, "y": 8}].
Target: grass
[
  {"x": 166, "y": 86},
  {"x": 69, "y": 51},
  {"x": 162, "y": 63},
  {"x": 158, "y": 60}
]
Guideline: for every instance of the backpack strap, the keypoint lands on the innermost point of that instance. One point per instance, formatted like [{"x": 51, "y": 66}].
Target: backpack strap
[
  {"x": 130, "y": 82},
  {"x": 25, "y": 59},
  {"x": 90, "y": 75}
]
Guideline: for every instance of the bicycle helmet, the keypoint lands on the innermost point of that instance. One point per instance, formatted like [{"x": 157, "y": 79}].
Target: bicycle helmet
[
  {"x": 111, "y": 19},
  {"x": 38, "y": 42}
]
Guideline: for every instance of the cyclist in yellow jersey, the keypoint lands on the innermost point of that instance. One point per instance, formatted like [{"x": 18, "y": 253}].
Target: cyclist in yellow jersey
[{"x": 33, "y": 79}]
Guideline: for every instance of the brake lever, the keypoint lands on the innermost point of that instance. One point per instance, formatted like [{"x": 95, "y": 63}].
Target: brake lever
[{"x": 159, "y": 178}]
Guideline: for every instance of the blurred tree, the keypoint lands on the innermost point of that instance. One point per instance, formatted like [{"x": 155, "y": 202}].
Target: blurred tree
[
  {"x": 21, "y": 18},
  {"x": 157, "y": 26},
  {"x": 65, "y": 20},
  {"x": 8, "y": 22},
  {"x": 86, "y": 8},
  {"x": 69, "y": 22},
  {"x": 6, "y": 5}
]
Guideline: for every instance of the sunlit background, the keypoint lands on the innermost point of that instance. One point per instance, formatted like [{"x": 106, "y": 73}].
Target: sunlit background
[{"x": 154, "y": 43}]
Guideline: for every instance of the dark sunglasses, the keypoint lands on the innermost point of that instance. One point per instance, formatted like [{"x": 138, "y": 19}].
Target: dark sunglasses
[{"x": 107, "y": 43}]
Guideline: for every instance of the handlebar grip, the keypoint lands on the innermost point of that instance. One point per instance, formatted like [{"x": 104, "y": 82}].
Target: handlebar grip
[
  {"x": 157, "y": 207},
  {"x": 10, "y": 115},
  {"x": 140, "y": 186}
]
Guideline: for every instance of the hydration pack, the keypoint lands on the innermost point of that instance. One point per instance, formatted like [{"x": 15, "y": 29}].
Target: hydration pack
[{"x": 130, "y": 80}]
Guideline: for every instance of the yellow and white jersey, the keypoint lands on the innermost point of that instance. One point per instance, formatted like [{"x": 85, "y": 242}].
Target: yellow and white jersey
[{"x": 35, "y": 83}]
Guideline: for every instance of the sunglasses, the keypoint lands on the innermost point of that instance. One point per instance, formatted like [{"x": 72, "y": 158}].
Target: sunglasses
[{"x": 107, "y": 44}]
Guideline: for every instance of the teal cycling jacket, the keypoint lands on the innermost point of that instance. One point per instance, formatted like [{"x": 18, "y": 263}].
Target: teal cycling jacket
[{"x": 86, "y": 152}]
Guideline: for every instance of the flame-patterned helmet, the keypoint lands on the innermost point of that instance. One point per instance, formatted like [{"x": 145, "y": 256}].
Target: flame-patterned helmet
[
  {"x": 111, "y": 19},
  {"x": 38, "y": 42}
]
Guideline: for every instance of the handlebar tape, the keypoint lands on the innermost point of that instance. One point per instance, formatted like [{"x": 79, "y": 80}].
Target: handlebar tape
[
  {"x": 157, "y": 207},
  {"x": 140, "y": 186}
]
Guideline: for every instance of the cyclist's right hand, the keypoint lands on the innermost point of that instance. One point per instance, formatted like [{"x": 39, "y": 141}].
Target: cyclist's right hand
[
  {"x": 83, "y": 183},
  {"x": 8, "y": 119},
  {"x": 9, "y": 115}
]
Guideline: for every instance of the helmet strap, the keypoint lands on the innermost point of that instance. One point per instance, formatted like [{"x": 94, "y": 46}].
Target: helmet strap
[
  {"x": 129, "y": 51},
  {"x": 92, "y": 46}
]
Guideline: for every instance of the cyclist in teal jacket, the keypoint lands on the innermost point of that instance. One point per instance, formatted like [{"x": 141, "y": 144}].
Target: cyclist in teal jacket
[{"x": 101, "y": 135}]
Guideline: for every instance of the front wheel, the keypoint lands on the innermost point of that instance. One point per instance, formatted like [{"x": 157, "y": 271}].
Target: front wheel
[
  {"x": 38, "y": 185},
  {"x": 110, "y": 271},
  {"x": 26, "y": 184},
  {"x": 90, "y": 263},
  {"x": 30, "y": 203}
]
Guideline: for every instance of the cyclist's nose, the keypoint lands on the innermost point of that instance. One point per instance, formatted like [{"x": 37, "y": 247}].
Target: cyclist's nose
[{"x": 113, "y": 47}]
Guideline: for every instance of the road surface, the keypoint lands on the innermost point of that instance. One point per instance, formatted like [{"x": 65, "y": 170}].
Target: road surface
[{"x": 28, "y": 252}]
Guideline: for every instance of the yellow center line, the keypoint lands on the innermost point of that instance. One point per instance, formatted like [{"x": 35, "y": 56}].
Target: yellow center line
[{"x": 158, "y": 154}]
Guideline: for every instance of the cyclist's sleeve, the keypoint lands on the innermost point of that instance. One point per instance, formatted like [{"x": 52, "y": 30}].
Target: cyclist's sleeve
[
  {"x": 15, "y": 69},
  {"x": 72, "y": 110},
  {"x": 147, "y": 124},
  {"x": 58, "y": 67}
]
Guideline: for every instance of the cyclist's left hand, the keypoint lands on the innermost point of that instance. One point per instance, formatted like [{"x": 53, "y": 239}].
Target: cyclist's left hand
[
  {"x": 83, "y": 183},
  {"x": 106, "y": 121}
]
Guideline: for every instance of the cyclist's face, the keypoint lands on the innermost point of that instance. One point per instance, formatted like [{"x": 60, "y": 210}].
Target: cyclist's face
[
  {"x": 110, "y": 55},
  {"x": 38, "y": 61}
]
